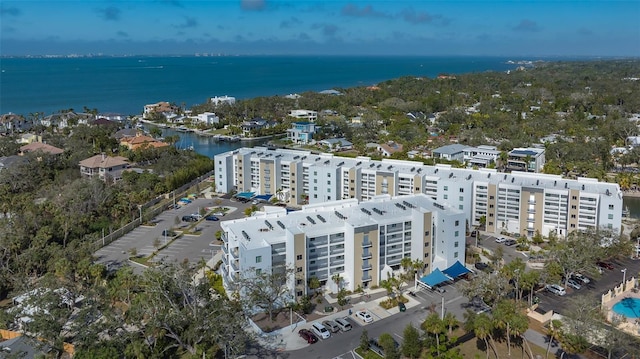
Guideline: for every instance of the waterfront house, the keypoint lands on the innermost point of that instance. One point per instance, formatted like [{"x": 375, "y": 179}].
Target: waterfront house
[
  {"x": 11, "y": 122},
  {"x": 104, "y": 167},
  {"x": 112, "y": 116},
  {"x": 207, "y": 118},
  {"x": 301, "y": 132},
  {"x": 125, "y": 132},
  {"x": 163, "y": 108},
  {"x": 248, "y": 127},
  {"x": 141, "y": 141},
  {"x": 67, "y": 119},
  {"x": 26, "y": 138}
]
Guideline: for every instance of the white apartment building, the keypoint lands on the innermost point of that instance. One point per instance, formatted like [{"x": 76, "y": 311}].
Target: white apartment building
[
  {"x": 516, "y": 202},
  {"x": 362, "y": 242}
]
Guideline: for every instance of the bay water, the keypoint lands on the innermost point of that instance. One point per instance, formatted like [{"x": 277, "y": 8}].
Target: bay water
[{"x": 125, "y": 84}]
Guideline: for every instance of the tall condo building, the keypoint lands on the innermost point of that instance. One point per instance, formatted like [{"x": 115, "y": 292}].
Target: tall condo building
[
  {"x": 363, "y": 242},
  {"x": 518, "y": 202}
]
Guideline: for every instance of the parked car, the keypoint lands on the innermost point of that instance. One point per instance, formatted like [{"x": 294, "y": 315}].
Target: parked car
[
  {"x": 308, "y": 336},
  {"x": 364, "y": 316},
  {"x": 168, "y": 233},
  {"x": 605, "y": 265},
  {"x": 189, "y": 219},
  {"x": 344, "y": 324},
  {"x": 581, "y": 278},
  {"x": 500, "y": 239},
  {"x": 573, "y": 284},
  {"x": 320, "y": 330},
  {"x": 211, "y": 218},
  {"x": 481, "y": 266},
  {"x": 375, "y": 346},
  {"x": 331, "y": 325},
  {"x": 556, "y": 289},
  {"x": 196, "y": 216},
  {"x": 510, "y": 242}
]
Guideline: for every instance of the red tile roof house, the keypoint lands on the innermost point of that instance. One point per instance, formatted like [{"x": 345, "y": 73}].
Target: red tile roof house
[
  {"x": 104, "y": 167},
  {"x": 39, "y": 146}
]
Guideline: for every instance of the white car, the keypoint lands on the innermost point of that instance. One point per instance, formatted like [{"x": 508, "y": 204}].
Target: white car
[
  {"x": 580, "y": 278},
  {"x": 501, "y": 239},
  {"x": 196, "y": 215},
  {"x": 364, "y": 316},
  {"x": 556, "y": 289}
]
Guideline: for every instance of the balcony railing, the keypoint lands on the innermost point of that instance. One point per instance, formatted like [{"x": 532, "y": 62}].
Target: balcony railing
[
  {"x": 366, "y": 267},
  {"x": 235, "y": 265},
  {"x": 366, "y": 278},
  {"x": 367, "y": 256}
]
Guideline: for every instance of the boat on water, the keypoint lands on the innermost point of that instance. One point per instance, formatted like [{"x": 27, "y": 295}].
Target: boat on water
[
  {"x": 228, "y": 138},
  {"x": 184, "y": 129}
]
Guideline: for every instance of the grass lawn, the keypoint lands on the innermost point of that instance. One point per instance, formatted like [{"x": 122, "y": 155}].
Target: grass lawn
[
  {"x": 369, "y": 354},
  {"x": 475, "y": 346}
]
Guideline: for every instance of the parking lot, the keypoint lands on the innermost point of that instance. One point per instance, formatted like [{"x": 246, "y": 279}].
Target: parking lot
[{"x": 187, "y": 247}]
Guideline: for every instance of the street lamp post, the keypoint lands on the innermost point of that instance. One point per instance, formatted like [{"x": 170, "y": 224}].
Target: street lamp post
[
  {"x": 140, "y": 209},
  {"x": 624, "y": 277}
]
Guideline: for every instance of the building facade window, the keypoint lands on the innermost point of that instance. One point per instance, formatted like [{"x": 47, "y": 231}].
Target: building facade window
[
  {"x": 258, "y": 259},
  {"x": 299, "y": 257}
]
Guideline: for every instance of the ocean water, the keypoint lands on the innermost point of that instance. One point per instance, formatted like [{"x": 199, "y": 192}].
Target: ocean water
[{"x": 125, "y": 84}]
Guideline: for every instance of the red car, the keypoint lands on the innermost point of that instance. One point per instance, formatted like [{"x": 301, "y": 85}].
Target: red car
[
  {"x": 605, "y": 265},
  {"x": 308, "y": 336}
]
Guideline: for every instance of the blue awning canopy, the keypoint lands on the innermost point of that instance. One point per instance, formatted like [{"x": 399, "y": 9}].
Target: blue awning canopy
[
  {"x": 434, "y": 278},
  {"x": 456, "y": 270},
  {"x": 263, "y": 197},
  {"x": 247, "y": 195}
]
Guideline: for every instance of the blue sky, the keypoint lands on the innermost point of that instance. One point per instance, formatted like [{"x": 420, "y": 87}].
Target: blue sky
[{"x": 472, "y": 27}]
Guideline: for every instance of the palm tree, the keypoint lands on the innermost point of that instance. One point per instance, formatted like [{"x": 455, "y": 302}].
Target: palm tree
[
  {"x": 434, "y": 325},
  {"x": 450, "y": 321},
  {"x": 482, "y": 328},
  {"x": 520, "y": 324},
  {"x": 503, "y": 318},
  {"x": 337, "y": 279},
  {"x": 552, "y": 331}
]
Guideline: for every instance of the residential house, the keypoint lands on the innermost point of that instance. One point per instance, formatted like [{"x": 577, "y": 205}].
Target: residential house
[
  {"x": 306, "y": 115},
  {"x": 218, "y": 100},
  {"x": 302, "y": 132},
  {"x": 454, "y": 152},
  {"x": 141, "y": 141},
  {"x": 336, "y": 144},
  {"x": 104, "y": 167},
  {"x": 163, "y": 108},
  {"x": 125, "y": 132},
  {"x": 29, "y": 137},
  {"x": 67, "y": 119},
  {"x": 330, "y": 92},
  {"x": 526, "y": 159},
  {"x": 11, "y": 122},
  {"x": 248, "y": 127},
  {"x": 387, "y": 149},
  {"x": 208, "y": 118},
  {"x": 39, "y": 146},
  {"x": 292, "y": 96},
  {"x": 112, "y": 116},
  {"x": 481, "y": 156}
]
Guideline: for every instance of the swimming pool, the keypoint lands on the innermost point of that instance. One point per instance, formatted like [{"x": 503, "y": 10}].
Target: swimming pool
[{"x": 629, "y": 307}]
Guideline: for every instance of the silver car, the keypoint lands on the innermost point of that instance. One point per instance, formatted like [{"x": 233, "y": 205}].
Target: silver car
[
  {"x": 331, "y": 325},
  {"x": 573, "y": 284}
]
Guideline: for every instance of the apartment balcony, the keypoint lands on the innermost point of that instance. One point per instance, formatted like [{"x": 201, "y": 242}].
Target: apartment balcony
[
  {"x": 393, "y": 240},
  {"x": 225, "y": 250},
  {"x": 367, "y": 267},
  {"x": 337, "y": 262},
  {"x": 337, "y": 251},
  {"x": 225, "y": 261},
  {"x": 235, "y": 265},
  {"x": 224, "y": 238},
  {"x": 225, "y": 272},
  {"x": 367, "y": 244},
  {"x": 234, "y": 253},
  {"x": 391, "y": 251},
  {"x": 366, "y": 256},
  {"x": 367, "y": 278}
]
